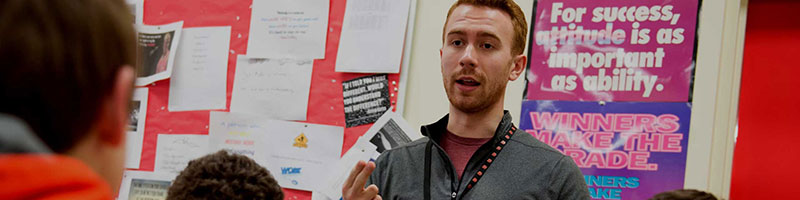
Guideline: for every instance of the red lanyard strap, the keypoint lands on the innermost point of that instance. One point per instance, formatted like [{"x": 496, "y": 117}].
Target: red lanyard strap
[{"x": 488, "y": 162}]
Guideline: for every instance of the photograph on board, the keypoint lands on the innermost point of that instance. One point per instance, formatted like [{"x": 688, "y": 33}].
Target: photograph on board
[
  {"x": 133, "y": 121},
  {"x": 155, "y": 52}
]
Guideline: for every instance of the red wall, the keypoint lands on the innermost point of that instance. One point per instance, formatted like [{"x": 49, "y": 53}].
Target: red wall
[{"x": 767, "y": 153}]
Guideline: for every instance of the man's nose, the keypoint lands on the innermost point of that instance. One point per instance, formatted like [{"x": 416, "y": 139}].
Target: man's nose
[{"x": 468, "y": 57}]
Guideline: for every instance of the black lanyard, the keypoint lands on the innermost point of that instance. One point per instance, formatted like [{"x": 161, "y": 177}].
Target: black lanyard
[{"x": 475, "y": 178}]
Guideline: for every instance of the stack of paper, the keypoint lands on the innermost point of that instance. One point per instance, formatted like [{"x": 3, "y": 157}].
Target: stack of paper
[{"x": 390, "y": 131}]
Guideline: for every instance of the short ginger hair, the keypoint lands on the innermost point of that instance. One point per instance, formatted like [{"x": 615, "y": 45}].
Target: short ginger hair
[{"x": 507, "y": 6}]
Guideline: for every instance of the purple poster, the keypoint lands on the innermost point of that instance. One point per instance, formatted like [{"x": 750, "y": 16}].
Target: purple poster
[
  {"x": 625, "y": 150},
  {"x": 612, "y": 50}
]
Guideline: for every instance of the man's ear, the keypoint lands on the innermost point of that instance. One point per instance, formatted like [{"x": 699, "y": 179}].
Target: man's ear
[
  {"x": 114, "y": 117},
  {"x": 440, "y": 60},
  {"x": 518, "y": 67}
]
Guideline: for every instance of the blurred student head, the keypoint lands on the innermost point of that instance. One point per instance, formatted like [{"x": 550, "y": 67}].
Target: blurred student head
[
  {"x": 684, "y": 194},
  {"x": 65, "y": 72},
  {"x": 223, "y": 175}
]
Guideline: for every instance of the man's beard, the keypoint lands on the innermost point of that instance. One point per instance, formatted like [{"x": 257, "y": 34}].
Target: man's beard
[{"x": 486, "y": 95}]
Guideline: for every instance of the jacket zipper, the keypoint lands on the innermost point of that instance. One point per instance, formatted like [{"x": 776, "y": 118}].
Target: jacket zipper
[{"x": 455, "y": 189}]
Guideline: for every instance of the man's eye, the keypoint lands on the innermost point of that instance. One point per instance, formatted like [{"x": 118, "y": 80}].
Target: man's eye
[
  {"x": 487, "y": 46},
  {"x": 457, "y": 42}
]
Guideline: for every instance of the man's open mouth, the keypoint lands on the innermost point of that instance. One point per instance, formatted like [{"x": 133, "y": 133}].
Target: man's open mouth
[{"x": 468, "y": 82}]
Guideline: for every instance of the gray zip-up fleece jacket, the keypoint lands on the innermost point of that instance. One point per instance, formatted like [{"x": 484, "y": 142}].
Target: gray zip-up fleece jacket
[{"x": 525, "y": 169}]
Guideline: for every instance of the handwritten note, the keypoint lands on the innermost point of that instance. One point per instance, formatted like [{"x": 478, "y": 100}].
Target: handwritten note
[
  {"x": 373, "y": 34},
  {"x": 174, "y": 151},
  {"x": 201, "y": 66},
  {"x": 277, "y": 88},
  {"x": 236, "y": 133},
  {"x": 288, "y": 29}
]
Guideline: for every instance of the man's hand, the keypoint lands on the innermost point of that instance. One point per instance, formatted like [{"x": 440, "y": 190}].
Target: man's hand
[{"x": 354, "y": 185}]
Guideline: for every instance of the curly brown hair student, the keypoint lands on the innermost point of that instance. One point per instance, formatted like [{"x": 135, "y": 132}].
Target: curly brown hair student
[
  {"x": 684, "y": 194},
  {"x": 223, "y": 175}
]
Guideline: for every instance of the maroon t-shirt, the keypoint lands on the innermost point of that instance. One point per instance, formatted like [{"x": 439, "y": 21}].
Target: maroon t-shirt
[{"x": 460, "y": 149}]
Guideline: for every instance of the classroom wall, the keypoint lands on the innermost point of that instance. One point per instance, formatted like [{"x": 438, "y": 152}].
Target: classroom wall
[
  {"x": 426, "y": 100},
  {"x": 715, "y": 96},
  {"x": 766, "y": 153}
]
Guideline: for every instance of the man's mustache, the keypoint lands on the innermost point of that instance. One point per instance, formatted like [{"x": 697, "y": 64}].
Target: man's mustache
[{"x": 480, "y": 77}]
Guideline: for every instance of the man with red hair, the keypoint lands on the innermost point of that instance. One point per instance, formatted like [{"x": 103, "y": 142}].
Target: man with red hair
[{"x": 474, "y": 152}]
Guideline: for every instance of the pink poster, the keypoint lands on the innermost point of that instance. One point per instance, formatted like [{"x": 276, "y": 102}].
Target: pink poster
[
  {"x": 612, "y": 50},
  {"x": 626, "y": 150}
]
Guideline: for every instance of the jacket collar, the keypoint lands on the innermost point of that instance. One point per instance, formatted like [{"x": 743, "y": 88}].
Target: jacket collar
[
  {"x": 17, "y": 137},
  {"x": 433, "y": 131}
]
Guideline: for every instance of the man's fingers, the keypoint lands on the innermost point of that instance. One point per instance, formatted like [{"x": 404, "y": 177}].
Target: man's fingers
[
  {"x": 378, "y": 197},
  {"x": 353, "y": 173},
  {"x": 361, "y": 180},
  {"x": 354, "y": 185},
  {"x": 371, "y": 191}
]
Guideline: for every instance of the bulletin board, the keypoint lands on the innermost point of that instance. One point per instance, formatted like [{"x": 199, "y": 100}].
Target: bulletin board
[{"x": 325, "y": 103}]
